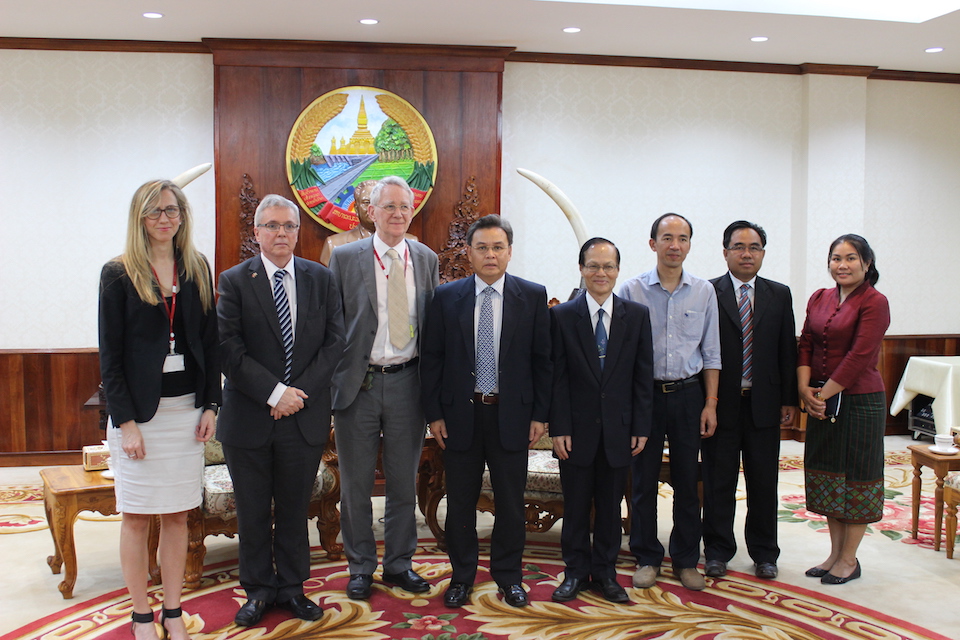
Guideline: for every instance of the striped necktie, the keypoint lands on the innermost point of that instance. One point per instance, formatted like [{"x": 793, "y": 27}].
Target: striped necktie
[
  {"x": 746, "y": 324},
  {"x": 286, "y": 326}
]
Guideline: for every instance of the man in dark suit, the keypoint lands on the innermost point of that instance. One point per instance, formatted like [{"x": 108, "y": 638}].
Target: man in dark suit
[
  {"x": 386, "y": 282},
  {"x": 281, "y": 337},
  {"x": 486, "y": 376},
  {"x": 600, "y": 416},
  {"x": 758, "y": 393}
]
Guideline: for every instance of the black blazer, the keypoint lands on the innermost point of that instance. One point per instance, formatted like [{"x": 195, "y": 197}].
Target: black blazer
[
  {"x": 774, "y": 352},
  {"x": 252, "y": 351},
  {"x": 617, "y": 402},
  {"x": 133, "y": 345},
  {"x": 448, "y": 361}
]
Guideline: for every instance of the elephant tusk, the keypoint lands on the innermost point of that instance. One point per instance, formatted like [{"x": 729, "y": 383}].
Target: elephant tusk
[
  {"x": 566, "y": 205},
  {"x": 190, "y": 175}
]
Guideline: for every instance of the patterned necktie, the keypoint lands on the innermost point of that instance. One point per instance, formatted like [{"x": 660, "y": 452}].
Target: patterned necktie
[
  {"x": 746, "y": 324},
  {"x": 398, "y": 313},
  {"x": 601, "y": 338},
  {"x": 486, "y": 360},
  {"x": 286, "y": 327}
]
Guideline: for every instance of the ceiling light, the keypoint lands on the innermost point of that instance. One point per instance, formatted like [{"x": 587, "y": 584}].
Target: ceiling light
[
  {"x": 759, "y": 39},
  {"x": 153, "y": 15},
  {"x": 572, "y": 30},
  {"x": 934, "y": 50},
  {"x": 369, "y": 21}
]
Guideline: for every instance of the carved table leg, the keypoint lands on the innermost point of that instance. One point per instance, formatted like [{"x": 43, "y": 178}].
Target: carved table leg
[
  {"x": 938, "y": 514},
  {"x": 49, "y": 506},
  {"x": 916, "y": 495},
  {"x": 64, "y": 515}
]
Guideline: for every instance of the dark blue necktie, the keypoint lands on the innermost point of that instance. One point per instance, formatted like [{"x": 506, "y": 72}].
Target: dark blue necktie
[
  {"x": 601, "y": 338},
  {"x": 286, "y": 327}
]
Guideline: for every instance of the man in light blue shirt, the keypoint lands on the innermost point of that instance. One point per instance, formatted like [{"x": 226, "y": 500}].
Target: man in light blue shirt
[{"x": 686, "y": 371}]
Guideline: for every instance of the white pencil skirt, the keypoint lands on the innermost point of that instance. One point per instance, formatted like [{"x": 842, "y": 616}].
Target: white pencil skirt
[{"x": 168, "y": 479}]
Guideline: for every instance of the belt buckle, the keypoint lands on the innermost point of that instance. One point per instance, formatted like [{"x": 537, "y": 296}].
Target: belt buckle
[
  {"x": 487, "y": 398},
  {"x": 667, "y": 387}
]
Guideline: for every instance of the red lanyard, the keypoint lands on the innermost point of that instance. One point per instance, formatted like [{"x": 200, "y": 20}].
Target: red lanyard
[
  {"x": 406, "y": 253},
  {"x": 170, "y": 308}
]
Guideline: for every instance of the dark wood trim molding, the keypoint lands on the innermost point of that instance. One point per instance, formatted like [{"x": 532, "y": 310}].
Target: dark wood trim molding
[
  {"x": 136, "y": 46},
  {"x": 915, "y": 76},
  {"x": 355, "y": 55}
]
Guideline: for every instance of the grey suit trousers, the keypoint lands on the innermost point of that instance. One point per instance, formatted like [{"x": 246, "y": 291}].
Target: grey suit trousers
[{"x": 390, "y": 411}]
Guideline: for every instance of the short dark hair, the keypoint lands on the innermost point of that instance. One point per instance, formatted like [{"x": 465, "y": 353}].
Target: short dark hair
[
  {"x": 656, "y": 223},
  {"x": 492, "y": 221},
  {"x": 863, "y": 250},
  {"x": 743, "y": 224},
  {"x": 591, "y": 243}
]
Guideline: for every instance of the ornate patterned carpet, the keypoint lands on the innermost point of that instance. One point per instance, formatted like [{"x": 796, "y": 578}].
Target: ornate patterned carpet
[{"x": 737, "y": 607}]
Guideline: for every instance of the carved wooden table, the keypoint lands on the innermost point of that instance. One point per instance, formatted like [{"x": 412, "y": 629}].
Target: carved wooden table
[
  {"x": 66, "y": 492},
  {"x": 921, "y": 456}
]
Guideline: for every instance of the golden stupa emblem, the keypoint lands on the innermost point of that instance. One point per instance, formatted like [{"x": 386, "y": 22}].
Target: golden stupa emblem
[{"x": 354, "y": 134}]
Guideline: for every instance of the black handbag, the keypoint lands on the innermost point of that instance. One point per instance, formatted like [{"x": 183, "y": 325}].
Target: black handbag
[{"x": 833, "y": 402}]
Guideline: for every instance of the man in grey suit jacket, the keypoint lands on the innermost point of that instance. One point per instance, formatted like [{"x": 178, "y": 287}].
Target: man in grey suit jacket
[
  {"x": 281, "y": 337},
  {"x": 386, "y": 282}
]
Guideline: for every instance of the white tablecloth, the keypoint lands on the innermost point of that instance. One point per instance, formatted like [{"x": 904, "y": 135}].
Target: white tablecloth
[{"x": 937, "y": 377}]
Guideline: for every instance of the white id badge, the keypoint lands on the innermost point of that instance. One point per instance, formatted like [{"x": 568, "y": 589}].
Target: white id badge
[{"x": 173, "y": 363}]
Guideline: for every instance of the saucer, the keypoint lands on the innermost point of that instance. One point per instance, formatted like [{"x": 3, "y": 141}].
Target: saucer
[
  {"x": 946, "y": 452},
  {"x": 107, "y": 473}
]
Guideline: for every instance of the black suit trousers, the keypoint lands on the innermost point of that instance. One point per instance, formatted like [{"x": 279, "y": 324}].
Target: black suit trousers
[
  {"x": 597, "y": 487},
  {"x": 274, "y": 561},
  {"x": 721, "y": 473},
  {"x": 508, "y": 476},
  {"x": 677, "y": 416}
]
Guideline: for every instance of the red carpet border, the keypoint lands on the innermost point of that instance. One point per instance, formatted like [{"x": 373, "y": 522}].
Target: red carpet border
[{"x": 737, "y": 607}]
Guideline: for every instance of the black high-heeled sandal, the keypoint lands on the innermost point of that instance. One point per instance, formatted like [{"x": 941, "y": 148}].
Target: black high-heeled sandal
[
  {"x": 139, "y": 618},
  {"x": 167, "y": 614}
]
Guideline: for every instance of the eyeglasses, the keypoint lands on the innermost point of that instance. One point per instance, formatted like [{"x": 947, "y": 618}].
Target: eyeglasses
[
  {"x": 483, "y": 248},
  {"x": 593, "y": 269},
  {"x": 172, "y": 212},
  {"x": 391, "y": 208},
  {"x": 273, "y": 227},
  {"x": 742, "y": 248}
]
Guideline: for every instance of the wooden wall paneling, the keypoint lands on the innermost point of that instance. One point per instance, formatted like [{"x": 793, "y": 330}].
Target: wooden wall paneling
[
  {"x": 445, "y": 105},
  {"x": 481, "y": 148},
  {"x": 13, "y": 424}
]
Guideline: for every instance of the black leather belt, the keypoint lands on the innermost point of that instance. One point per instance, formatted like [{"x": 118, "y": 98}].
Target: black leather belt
[
  {"x": 486, "y": 398},
  {"x": 746, "y": 391},
  {"x": 392, "y": 368},
  {"x": 669, "y": 386}
]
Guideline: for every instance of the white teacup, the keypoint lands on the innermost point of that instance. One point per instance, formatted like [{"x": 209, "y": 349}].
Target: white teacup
[{"x": 943, "y": 441}]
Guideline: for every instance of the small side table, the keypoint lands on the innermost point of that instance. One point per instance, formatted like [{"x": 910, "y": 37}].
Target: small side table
[
  {"x": 66, "y": 492},
  {"x": 921, "y": 456}
]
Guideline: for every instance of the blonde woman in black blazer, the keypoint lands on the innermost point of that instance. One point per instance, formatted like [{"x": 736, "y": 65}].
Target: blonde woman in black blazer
[{"x": 161, "y": 378}]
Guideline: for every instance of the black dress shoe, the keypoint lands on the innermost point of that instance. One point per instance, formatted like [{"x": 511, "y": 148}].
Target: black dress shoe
[
  {"x": 302, "y": 607},
  {"x": 457, "y": 595},
  {"x": 251, "y": 612},
  {"x": 514, "y": 595},
  {"x": 767, "y": 570},
  {"x": 407, "y": 580},
  {"x": 359, "y": 586},
  {"x": 610, "y": 589},
  {"x": 815, "y": 572},
  {"x": 832, "y": 579},
  {"x": 569, "y": 589},
  {"x": 715, "y": 568}
]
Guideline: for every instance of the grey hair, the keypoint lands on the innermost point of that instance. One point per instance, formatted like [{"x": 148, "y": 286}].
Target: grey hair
[
  {"x": 273, "y": 200},
  {"x": 396, "y": 181}
]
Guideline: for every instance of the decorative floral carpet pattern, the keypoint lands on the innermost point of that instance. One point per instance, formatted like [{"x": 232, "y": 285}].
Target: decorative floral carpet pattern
[{"x": 738, "y": 606}]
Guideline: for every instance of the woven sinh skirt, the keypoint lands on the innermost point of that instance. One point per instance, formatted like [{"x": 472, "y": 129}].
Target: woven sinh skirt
[
  {"x": 843, "y": 461},
  {"x": 169, "y": 478}
]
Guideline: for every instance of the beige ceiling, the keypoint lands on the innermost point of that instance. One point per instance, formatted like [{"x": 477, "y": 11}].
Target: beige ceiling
[{"x": 528, "y": 25}]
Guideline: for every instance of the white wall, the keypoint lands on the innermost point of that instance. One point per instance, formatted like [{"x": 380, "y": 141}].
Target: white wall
[
  {"x": 79, "y": 132},
  {"x": 807, "y": 157}
]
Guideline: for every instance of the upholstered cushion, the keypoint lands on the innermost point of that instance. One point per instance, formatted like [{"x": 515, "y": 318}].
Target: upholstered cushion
[
  {"x": 953, "y": 480},
  {"x": 213, "y": 452},
  {"x": 543, "y": 476},
  {"x": 218, "y": 498}
]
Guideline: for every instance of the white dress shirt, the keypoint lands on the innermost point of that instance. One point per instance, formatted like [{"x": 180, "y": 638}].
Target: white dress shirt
[
  {"x": 594, "y": 308},
  {"x": 383, "y": 352}
]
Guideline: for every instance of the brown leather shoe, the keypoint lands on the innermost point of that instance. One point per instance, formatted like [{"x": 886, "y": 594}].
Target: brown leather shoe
[{"x": 691, "y": 579}]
